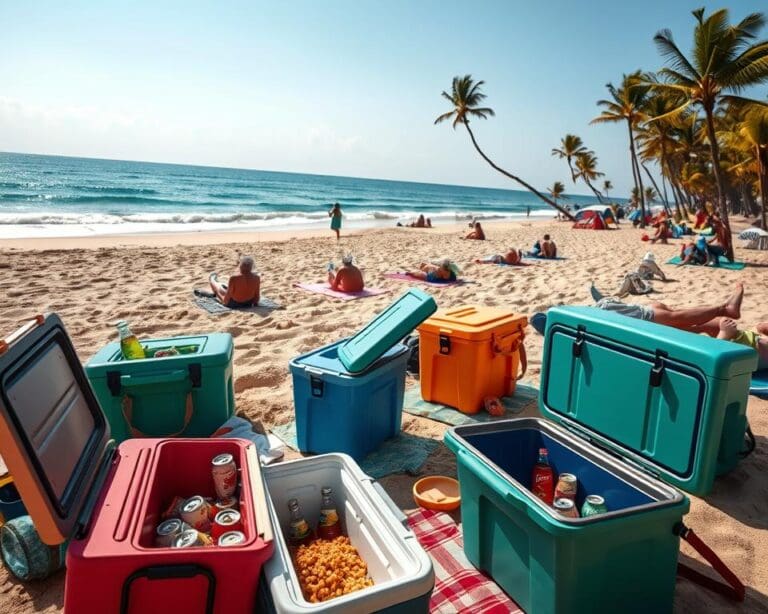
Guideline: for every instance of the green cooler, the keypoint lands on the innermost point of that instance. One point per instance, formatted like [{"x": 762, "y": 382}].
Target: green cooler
[
  {"x": 190, "y": 395},
  {"x": 635, "y": 411}
]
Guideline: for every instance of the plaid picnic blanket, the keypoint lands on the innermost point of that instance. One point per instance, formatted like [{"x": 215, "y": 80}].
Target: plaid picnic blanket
[{"x": 459, "y": 587}]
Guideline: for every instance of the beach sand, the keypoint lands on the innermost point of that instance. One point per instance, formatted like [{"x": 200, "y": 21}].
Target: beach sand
[{"x": 148, "y": 281}]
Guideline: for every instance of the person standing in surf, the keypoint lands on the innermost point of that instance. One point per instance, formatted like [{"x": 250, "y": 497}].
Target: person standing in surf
[{"x": 335, "y": 215}]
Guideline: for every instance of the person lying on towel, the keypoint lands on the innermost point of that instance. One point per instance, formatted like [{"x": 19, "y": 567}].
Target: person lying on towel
[
  {"x": 513, "y": 256},
  {"x": 346, "y": 279},
  {"x": 444, "y": 272},
  {"x": 242, "y": 289},
  {"x": 545, "y": 248}
]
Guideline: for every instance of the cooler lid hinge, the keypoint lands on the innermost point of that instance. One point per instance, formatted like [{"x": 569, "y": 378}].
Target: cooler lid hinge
[
  {"x": 578, "y": 344},
  {"x": 575, "y": 430},
  {"x": 86, "y": 514}
]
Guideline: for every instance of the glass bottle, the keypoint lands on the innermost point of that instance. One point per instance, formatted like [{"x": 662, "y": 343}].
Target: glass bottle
[
  {"x": 129, "y": 343},
  {"x": 329, "y": 526},
  {"x": 543, "y": 479},
  {"x": 300, "y": 533}
]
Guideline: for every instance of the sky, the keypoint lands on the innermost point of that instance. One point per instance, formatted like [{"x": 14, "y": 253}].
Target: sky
[{"x": 335, "y": 87}]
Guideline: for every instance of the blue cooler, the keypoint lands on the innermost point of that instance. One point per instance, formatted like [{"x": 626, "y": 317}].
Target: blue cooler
[
  {"x": 635, "y": 410},
  {"x": 349, "y": 395}
]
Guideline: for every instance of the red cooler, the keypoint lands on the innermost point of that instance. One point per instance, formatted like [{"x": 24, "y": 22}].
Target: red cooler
[{"x": 107, "y": 500}]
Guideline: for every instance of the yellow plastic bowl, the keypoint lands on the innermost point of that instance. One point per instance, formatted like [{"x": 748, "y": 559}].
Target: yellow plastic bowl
[{"x": 437, "y": 492}]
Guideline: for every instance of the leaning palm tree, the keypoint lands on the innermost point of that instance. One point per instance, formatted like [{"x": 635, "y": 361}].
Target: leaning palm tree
[
  {"x": 626, "y": 105},
  {"x": 724, "y": 59},
  {"x": 571, "y": 146},
  {"x": 466, "y": 97},
  {"x": 586, "y": 164},
  {"x": 607, "y": 187}
]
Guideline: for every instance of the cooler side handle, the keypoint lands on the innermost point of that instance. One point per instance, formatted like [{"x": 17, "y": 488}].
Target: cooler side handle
[
  {"x": 258, "y": 495},
  {"x": 8, "y": 341},
  {"x": 164, "y": 572}
]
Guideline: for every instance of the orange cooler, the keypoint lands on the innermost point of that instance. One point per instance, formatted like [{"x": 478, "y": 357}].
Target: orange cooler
[{"x": 469, "y": 353}]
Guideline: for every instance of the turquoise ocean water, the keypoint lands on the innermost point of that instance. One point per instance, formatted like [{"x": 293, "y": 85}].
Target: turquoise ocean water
[{"x": 60, "y": 196}]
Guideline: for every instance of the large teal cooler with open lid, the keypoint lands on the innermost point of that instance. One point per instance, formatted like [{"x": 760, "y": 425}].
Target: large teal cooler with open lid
[
  {"x": 189, "y": 395},
  {"x": 635, "y": 410}
]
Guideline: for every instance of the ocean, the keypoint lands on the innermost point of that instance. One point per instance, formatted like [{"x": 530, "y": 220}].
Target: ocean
[{"x": 49, "y": 196}]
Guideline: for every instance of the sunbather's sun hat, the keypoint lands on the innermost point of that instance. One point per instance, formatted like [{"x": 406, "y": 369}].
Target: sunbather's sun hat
[
  {"x": 649, "y": 257},
  {"x": 347, "y": 259}
]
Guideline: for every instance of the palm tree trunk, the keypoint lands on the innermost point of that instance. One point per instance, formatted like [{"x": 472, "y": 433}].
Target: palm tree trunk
[
  {"x": 636, "y": 171},
  {"x": 513, "y": 178},
  {"x": 762, "y": 184},
  {"x": 715, "y": 151},
  {"x": 655, "y": 185},
  {"x": 594, "y": 191}
]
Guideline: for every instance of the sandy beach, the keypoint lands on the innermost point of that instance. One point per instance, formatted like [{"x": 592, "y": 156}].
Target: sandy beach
[{"x": 148, "y": 281}]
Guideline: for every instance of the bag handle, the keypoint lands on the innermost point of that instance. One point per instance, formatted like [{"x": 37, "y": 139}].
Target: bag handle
[
  {"x": 734, "y": 589},
  {"x": 127, "y": 407}
]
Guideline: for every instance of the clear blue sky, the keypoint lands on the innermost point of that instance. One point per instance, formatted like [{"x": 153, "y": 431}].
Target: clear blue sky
[{"x": 334, "y": 87}]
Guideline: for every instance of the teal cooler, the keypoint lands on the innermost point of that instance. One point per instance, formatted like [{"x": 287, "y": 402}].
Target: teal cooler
[
  {"x": 635, "y": 410},
  {"x": 188, "y": 395}
]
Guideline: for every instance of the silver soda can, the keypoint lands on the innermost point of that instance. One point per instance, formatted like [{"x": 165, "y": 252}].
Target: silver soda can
[
  {"x": 192, "y": 538},
  {"x": 167, "y": 531},
  {"x": 195, "y": 513},
  {"x": 232, "y": 538},
  {"x": 566, "y": 507},
  {"x": 224, "y": 472}
]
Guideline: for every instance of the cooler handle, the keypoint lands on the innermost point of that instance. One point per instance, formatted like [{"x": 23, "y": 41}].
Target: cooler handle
[
  {"x": 166, "y": 572},
  {"x": 166, "y": 377},
  {"x": 127, "y": 407},
  {"x": 38, "y": 320},
  {"x": 491, "y": 478},
  {"x": 517, "y": 345},
  {"x": 258, "y": 495}
]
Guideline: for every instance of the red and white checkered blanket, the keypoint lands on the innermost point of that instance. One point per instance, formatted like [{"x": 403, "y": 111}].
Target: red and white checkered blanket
[{"x": 459, "y": 587}]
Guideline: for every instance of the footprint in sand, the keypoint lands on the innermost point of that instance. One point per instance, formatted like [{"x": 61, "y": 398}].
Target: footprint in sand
[{"x": 285, "y": 325}]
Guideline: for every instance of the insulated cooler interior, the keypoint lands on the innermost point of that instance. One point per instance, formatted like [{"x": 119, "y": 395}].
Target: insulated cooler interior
[
  {"x": 183, "y": 469},
  {"x": 513, "y": 448},
  {"x": 185, "y": 345}
]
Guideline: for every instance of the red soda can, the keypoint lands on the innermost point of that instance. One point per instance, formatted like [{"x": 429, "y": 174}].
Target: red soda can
[
  {"x": 224, "y": 471},
  {"x": 566, "y": 488},
  {"x": 230, "y": 503},
  {"x": 195, "y": 514},
  {"x": 226, "y": 521},
  {"x": 231, "y": 538}
]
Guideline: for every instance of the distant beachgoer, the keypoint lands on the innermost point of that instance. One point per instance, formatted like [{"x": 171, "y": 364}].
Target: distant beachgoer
[
  {"x": 335, "y": 215},
  {"x": 421, "y": 222},
  {"x": 648, "y": 268},
  {"x": 348, "y": 278},
  {"x": 694, "y": 253},
  {"x": 700, "y": 221},
  {"x": 242, "y": 289},
  {"x": 477, "y": 233},
  {"x": 545, "y": 248},
  {"x": 528, "y": 211},
  {"x": 720, "y": 244},
  {"x": 513, "y": 256},
  {"x": 662, "y": 232},
  {"x": 446, "y": 271}
]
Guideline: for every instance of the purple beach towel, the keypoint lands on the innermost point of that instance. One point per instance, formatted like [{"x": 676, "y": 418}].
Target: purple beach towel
[{"x": 325, "y": 289}]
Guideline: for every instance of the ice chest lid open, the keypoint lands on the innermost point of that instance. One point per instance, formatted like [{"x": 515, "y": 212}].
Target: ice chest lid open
[
  {"x": 53, "y": 434},
  {"x": 635, "y": 387},
  {"x": 473, "y": 322},
  {"x": 362, "y": 349}
]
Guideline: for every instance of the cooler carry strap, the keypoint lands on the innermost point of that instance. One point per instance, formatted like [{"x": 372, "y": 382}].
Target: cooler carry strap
[
  {"x": 127, "y": 407},
  {"x": 165, "y": 572},
  {"x": 733, "y": 590},
  {"x": 517, "y": 345}
]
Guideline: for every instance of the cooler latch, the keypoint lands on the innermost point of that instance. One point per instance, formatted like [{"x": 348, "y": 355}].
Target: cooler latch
[
  {"x": 195, "y": 375},
  {"x": 317, "y": 386},
  {"x": 657, "y": 370},
  {"x": 113, "y": 383},
  {"x": 445, "y": 344},
  {"x": 578, "y": 344}
]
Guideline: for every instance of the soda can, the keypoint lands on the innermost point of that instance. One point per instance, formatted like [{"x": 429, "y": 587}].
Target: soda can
[
  {"x": 593, "y": 505},
  {"x": 225, "y": 522},
  {"x": 566, "y": 507},
  {"x": 192, "y": 538},
  {"x": 167, "y": 531},
  {"x": 195, "y": 514},
  {"x": 173, "y": 510},
  {"x": 566, "y": 488},
  {"x": 232, "y": 538},
  {"x": 219, "y": 505},
  {"x": 224, "y": 471}
]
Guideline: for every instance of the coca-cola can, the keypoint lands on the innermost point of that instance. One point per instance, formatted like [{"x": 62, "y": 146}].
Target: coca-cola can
[
  {"x": 224, "y": 471},
  {"x": 167, "y": 531},
  {"x": 566, "y": 487},
  {"x": 232, "y": 538},
  {"x": 195, "y": 513},
  {"x": 226, "y": 521},
  {"x": 191, "y": 538}
]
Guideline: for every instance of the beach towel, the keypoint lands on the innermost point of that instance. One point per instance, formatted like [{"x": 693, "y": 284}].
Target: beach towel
[
  {"x": 325, "y": 289},
  {"x": 488, "y": 260},
  {"x": 404, "y": 277},
  {"x": 759, "y": 384},
  {"x": 459, "y": 586},
  {"x": 214, "y": 307},
  {"x": 527, "y": 257},
  {"x": 402, "y": 454},
  {"x": 722, "y": 264},
  {"x": 525, "y": 397}
]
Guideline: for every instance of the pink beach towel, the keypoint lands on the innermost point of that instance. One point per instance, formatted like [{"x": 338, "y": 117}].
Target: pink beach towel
[
  {"x": 404, "y": 277},
  {"x": 344, "y": 296}
]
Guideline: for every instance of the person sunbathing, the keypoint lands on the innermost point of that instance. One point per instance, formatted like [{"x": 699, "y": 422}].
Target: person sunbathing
[
  {"x": 720, "y": 244},
  {"x": 694, "y": 253},
  {"x": 729, "y": 330},
  {"x": 421, "y": 222},
  {"x": 546, "y": 248},
  {"x": 435, "y": 273},
  {"x": 513, "y": 256},
  {"x": 662, "y": 232},
  {"x": 242, "y": 289},
  {"x": 477, "y": 233},
  {"x": 348, "y": 278},
  {"x": 648, "y": 268}
]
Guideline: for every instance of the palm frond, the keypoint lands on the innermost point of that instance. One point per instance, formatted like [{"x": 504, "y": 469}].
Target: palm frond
[
  {"x": 669, "y": 50},
  {"x": 444, "y": 116}
]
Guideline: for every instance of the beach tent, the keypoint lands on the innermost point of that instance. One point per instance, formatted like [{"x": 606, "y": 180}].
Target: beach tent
[
  {"x": 605, "y": 211},
  {"x": 590, "y": 220}
]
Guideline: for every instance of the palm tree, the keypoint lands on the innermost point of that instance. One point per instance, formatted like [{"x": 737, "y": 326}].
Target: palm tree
[
  {"x": 754, "y": 130},
  {"x": 571, "y": 146},
  {"x": 722, "y": 60},
  {"x": 586, "y": 163},
  {"x": 650, "y": 195},
  {"x": 465, "y": 97},
  {"x": 626, "y": 106},
  {"x": 557, "y": 190},
  {"x": 607, "y": 187}
]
